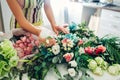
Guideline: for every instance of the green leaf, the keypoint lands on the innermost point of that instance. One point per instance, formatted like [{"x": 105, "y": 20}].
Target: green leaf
[
  {"x": 44, "y": 72},
  {"x": 55, "y": 59}
]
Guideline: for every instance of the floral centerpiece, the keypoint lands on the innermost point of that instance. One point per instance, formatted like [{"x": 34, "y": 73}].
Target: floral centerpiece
[{"x": 80, "y": 50}]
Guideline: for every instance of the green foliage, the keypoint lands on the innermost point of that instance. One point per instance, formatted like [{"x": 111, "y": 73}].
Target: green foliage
[
  {"x": 38, "y": 65},
  {"x": 112, "y": 44}
]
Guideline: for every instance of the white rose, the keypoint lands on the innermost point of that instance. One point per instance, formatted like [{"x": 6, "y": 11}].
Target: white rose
[
  {"x": 73, "y": 63},
  {"x": 56, "y": 49},
  {"x": 98, "y": 71},
  {"x": 72, "y": 72}
]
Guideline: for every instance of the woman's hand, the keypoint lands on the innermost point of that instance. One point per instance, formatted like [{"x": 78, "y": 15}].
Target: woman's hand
[
  {"x": 57, "y": 29},
  {"x": 47, "y": 42}
]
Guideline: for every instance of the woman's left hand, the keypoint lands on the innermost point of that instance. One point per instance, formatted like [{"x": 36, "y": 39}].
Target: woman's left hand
[{"x": 63, "y": 28}]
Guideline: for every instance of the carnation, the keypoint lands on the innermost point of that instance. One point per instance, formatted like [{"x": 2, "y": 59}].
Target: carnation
[{"x": 72, "y": 72}]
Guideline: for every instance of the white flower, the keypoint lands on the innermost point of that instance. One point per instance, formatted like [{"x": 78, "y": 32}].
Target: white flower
[
  {"x": 72, "y": 72},
  {"x": 70, "y": 43},
  {"x": 113, "y": 70},
  {"x": 92, "y": 64},
  {"x": 81, "y": 50},
  {"x": 64, "y": 44},
  {"x": 98, "y": 71},
  {"x": 73, "y": 63},
  {"x": 99, "y": 60},
  {"x": 56, "y": 49}
]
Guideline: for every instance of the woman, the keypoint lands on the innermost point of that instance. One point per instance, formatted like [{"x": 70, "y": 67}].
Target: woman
[{"x": 28, "y": 15}]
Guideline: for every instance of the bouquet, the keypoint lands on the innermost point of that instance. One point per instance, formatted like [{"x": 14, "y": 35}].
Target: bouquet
[{"x": 80, "y": 50}]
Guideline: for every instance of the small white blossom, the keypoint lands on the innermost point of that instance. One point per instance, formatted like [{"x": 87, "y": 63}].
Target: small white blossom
[
  {"x": 64, "y": 44},
  {"x": 81, "y": 50},
  {"x": 73, "y": 63},
  {"x": 56, "y": 49},
  {"x": 72, "y": 72},
  {"x": 70, "y": 43}
]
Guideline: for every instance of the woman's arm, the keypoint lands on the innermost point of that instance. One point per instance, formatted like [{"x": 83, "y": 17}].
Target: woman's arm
[
  {"x": 49, "y": 13},
  {"x": 50, "y": 16},
  {"x": 17, "y": 11}
]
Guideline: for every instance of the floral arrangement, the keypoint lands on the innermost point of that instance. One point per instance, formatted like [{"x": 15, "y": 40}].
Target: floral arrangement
[
  {"x": 80, "y": 50},
  {"x": 8, "y": 57}
]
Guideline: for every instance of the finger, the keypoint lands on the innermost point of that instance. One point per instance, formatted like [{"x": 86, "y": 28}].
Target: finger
[
  {"x": 65, "y": 25},
  {"x": 65, "y": 30},
  {"x": 56, "y": 32}
]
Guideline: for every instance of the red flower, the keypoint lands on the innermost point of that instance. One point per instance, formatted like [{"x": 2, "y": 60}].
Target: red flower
[
  {"x": 100, "y": 49},
  {"x": 89, "y": 50},
  {"x": 80, "y": 42},
  {"x": 68, "y": 56}
]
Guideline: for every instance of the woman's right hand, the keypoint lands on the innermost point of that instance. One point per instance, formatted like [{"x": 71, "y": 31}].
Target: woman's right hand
[{"x": 47, "y": 42}]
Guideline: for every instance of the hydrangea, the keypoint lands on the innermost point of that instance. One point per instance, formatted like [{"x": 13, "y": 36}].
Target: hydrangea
[
  {"x": 73, "y": 26},
  {"x": 113, "y": 70},
  {"x": 92, "y": 64},
  {"x": 98, "y": 71},
  {"x": 99, "y": 60}
]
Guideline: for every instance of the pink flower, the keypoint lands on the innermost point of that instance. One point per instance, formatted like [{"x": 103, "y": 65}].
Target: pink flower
[
  {"x": 100, "y": 49},
  {"x": 65, "y": 40},
  {"x": 68, "y": 56},
  {"x": 89, "y": 50},
  {"x": 80, "y": 42}
]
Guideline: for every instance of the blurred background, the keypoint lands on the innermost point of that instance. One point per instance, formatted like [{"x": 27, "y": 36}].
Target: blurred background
[{"x": 93, "y": 12}]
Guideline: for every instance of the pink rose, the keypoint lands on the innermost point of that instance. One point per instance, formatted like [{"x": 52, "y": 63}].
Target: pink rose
[
  {"x": 68, "y": 56},
  {"x": 80, "y": 42},
  {"x": 89, "y": 50},
  {"x": 100, "y": 49}
]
